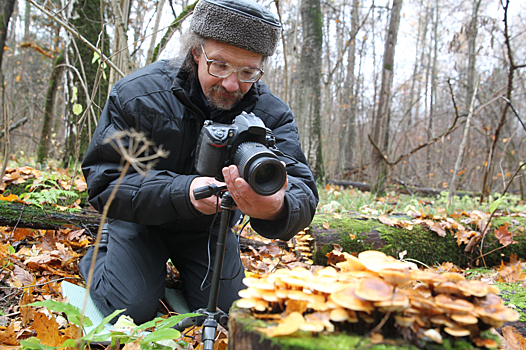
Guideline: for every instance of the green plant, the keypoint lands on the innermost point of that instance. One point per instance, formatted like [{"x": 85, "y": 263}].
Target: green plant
[
  {"x": 48, "y": 192},
  {"x": 158, "y": 338}
]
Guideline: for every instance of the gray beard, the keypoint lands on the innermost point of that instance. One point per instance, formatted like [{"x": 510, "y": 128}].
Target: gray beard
[{"x": 220, "y": 102}]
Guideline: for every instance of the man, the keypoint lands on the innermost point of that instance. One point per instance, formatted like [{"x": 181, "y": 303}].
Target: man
[{"x": 155, "y": 217}]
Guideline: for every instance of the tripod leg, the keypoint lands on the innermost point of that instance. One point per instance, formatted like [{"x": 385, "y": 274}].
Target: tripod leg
[{"x": 209, "y": 333}]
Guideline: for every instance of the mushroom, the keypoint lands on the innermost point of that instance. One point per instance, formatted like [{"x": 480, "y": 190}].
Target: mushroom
[
  {"x": 434, "y": 335},
  {"x": 395, "y": 277},
  {"x": 464, "y": 319},
  {"x": 404, "y": 321},
  {"x": 339, "y": 315},
  {"x": 398, "y": 302},
  {"x": 347, "y": 298},
  {"x": 473, "y": 287},
  {"x": 375, "y": 261},
  {"x": 457, "y": 332},
  {"x": 447, "y": 288},
  {"x": 373, "y": 289}
]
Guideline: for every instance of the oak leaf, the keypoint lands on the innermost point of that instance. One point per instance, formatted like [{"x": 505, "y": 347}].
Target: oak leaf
[{"x": 504, "y": 236}]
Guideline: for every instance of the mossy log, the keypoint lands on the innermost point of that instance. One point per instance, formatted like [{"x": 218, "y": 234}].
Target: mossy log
[
  {"x": 355, "y": 233},
  {"x": 28, "y": 216},
  {"x": 352, "y": 232},
  {"x": 244, "y": 335}
]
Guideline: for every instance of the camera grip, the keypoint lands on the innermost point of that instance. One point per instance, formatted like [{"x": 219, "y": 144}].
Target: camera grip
[{"x": 207, "y": 191}]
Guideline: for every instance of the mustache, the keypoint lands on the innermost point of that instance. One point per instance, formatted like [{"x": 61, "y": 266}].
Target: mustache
[{"x": 237, "y": 95}]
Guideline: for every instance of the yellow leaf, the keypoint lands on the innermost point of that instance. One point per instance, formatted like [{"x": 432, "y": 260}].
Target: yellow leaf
[
  {"x": 47, "y": 330},
  {"x": 326, "y": 225},
  {"x": 18, "y": 78}
]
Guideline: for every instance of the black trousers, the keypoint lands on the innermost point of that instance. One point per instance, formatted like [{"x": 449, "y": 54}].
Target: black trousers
[{"x": 130, "y": 273}]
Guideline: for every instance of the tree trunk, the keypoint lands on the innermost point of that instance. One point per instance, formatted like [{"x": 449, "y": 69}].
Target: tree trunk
[
  {"x": 308, "y": 94},
  {"x": 379, "y": 168},
  {"x": 6, "y": 10},
  {"x": 347, "y": 131},
  {"x": 87, "y": 20},
  {"x": 160, "y": 5},
  {"x": 49, "y": 109},
  {"x": 120, "y": 50}
]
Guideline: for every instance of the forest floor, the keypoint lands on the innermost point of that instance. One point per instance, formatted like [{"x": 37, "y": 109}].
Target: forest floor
[{"x": 35, "y": 262}]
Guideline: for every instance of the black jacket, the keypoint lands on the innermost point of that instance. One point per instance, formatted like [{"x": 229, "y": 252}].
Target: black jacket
[{"x": 166, "y": 104}]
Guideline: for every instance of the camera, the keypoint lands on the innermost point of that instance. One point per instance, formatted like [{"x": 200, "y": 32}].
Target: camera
[{"x": 246, "y": 143}]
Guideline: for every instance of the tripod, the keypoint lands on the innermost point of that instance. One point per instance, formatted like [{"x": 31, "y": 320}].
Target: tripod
[{"x": 211, "y": 316}]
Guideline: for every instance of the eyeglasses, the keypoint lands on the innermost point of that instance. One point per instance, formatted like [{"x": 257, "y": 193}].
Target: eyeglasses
[{"x": 221, "y": 69}]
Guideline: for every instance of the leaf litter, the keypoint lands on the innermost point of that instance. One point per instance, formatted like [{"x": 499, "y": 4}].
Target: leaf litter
[{"x": 35, "y": 262}]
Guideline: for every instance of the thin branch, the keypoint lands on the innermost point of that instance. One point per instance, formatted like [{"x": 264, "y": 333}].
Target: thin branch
[{"x": 514, "y": 111}]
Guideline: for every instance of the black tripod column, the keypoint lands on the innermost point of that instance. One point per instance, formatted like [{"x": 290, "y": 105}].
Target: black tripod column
[{"x": 210, "y": 323}]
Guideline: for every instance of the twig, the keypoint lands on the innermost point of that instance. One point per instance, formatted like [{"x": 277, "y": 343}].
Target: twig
[
  {"x": 44, "y": 283},
  {"x": 514, "y": 111},
  {"x": 17, "y": 222}
]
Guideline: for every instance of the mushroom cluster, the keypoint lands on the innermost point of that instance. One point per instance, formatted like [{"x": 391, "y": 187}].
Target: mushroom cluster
[{"x": 377, "y": 292}]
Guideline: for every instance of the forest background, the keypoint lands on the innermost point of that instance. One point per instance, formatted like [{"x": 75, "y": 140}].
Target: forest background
[{"x": 411, "y": 92}]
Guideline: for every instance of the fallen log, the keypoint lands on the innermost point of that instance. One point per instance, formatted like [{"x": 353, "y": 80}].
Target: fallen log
[
  {"x": 353, "y": 232},
  {"x": 244, "y": 335}
]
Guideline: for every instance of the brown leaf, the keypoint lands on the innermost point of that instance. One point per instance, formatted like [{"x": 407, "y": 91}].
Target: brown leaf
[
  {"x": 514, "y": 338},
  {"x": 74, "y": 234},
  {"x": 26, "y": 311},
  {"x": 47, "y": 330},
  {"x": 387, "y": 221},
  {"x": 49, "y": 240},
  {"x": 326, "y": 225},
  {"x": 269, "y": 251},
  {"x": 504, "y": 236},
  {"x": 8, "y": 337},
  {"x": 23, "y": 276},
  {"x": 72, "y": 332}
]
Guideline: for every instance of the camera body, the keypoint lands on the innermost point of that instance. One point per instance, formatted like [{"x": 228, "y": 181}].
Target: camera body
[{"x": 244, "y": 143}]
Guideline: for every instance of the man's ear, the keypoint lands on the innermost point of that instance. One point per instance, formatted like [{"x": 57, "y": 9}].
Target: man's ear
[{"x": 196, "y": 56}]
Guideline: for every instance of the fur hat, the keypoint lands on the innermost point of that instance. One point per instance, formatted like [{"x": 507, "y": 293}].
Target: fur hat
[{"x": 241, "y": 23}]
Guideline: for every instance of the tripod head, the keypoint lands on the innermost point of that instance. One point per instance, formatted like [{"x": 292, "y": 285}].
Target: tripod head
[{"x": 208, "y": 191}]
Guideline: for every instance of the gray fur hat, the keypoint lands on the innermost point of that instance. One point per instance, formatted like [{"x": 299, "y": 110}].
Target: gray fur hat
[{"x": 241, "y": 23}]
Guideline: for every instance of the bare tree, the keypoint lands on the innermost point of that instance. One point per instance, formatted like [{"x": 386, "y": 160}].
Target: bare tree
[
  {"x": 307, "y": 108},
  {"x": 379, "y": 169}
]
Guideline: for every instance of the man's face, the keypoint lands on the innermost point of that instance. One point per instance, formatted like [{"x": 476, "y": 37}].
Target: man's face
[{"x": 224, "y": 93}]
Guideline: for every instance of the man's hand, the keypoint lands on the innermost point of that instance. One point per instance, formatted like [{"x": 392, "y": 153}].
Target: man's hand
[
  {"x": 252, "y": 204},
  {"x": 208, "y": 205}
]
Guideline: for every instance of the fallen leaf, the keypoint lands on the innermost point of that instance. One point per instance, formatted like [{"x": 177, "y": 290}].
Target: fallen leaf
[
  {"x": 27, "y": 312},
  {"x": 8, "y": 337},
  {"x": 326, "y": 225},
  {"x": 514, "y": 338},
  {"x": 504, "y": 236},
  {"x": 47, "y": 330},
  {"x": 136, "y": 345}
]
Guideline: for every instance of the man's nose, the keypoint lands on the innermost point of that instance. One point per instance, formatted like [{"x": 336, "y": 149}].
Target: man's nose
[{"x": 231, "y": 83}]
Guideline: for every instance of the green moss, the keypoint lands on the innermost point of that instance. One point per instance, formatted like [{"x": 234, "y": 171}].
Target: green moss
[
  {"x": 421, "y": 244},
  {"x": 514, "y": 294}
]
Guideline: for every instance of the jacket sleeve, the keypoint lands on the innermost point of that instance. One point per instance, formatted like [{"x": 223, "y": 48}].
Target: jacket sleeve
[
  {"x": 155, "y": 198},
  {"x": 301, "y": 198}
]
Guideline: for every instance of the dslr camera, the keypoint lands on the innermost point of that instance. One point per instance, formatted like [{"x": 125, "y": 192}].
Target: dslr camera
[{"x": 246, "y": 143}]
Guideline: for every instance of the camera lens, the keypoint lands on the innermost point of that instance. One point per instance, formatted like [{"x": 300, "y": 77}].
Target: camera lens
[{"x": 260, "y": 168}]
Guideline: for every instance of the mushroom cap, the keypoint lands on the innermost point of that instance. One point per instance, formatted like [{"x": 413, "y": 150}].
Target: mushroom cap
[
  {"x": 453, "y": 276},
  {"x": 339, "y": 315},
  {"x": 347, "y": 298},
  {"x": 375, "y": 261},
  {"x": 427, "y": 276},
  {"x": 312, "y": 326},
  {"x": 443, "y": 320},
  {"x": 447, "y": 288},
  {"x": 457, "y": 332},
  {"x": 453, "y": 305},
  {"x": 301, "y": 273},
  {"x": 434, "y": 335},
  {"x": 464, "y": 319},
  {"x": 328, "y": 271},
  {"x": 398, "y": 302},
  {"x": 246, "y": 303},
  {"x": 264, "y": 284},
  {"x": 373, "y": 289},
  {"x": 270, "y": 296},
  {"x": 404, "y": 321},
  {"x": 261, "y": 305},
  {"x": 293, "y": 281},
  {"x": 473, "y": 287},
  {"x": 323, "y": 284},
  {"x": 351, "y": 263},
  {"x": 395, "y": 277},
  {"x": 489, "y": 301},
  {"x": 485, "y": 342}
]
